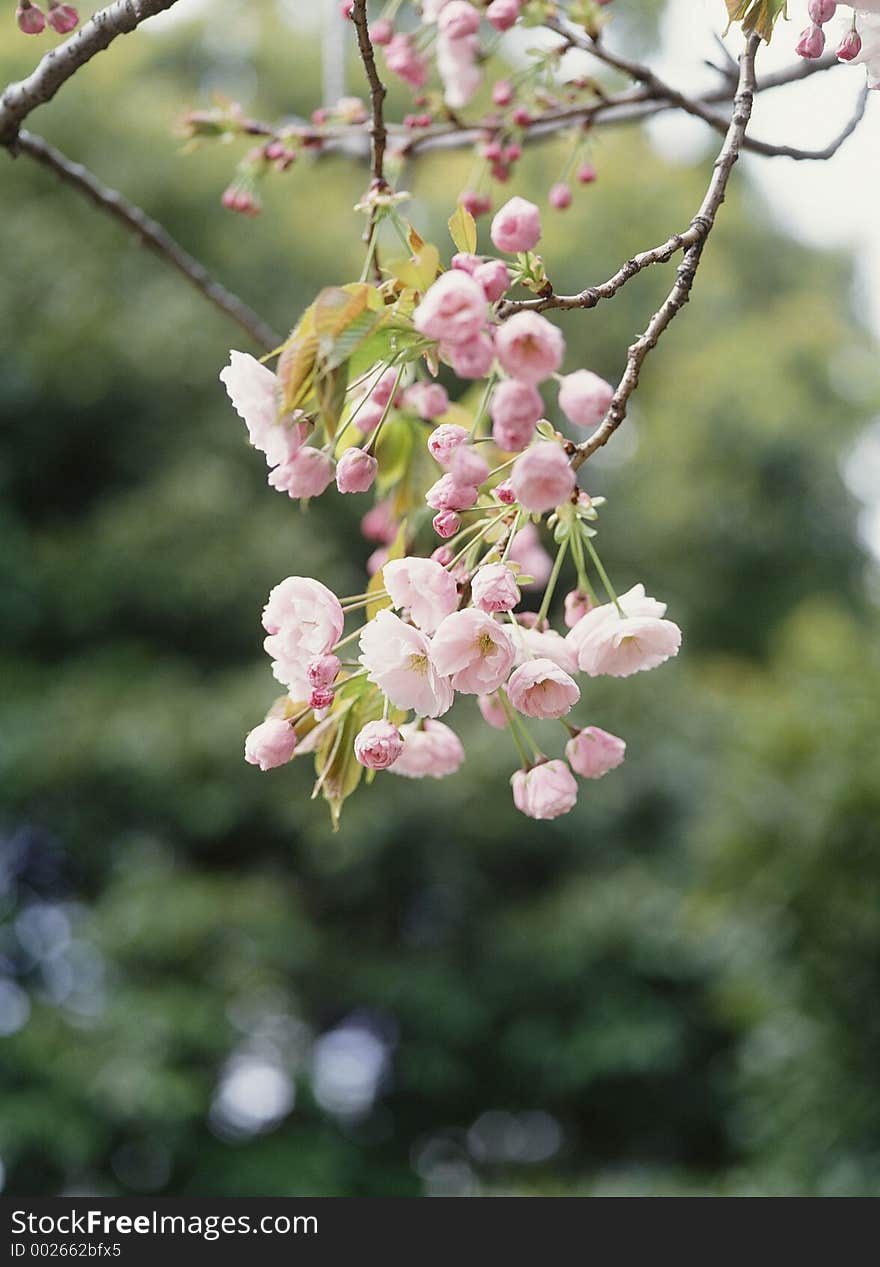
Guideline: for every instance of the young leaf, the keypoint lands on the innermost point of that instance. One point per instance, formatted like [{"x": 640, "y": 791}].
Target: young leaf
[
  {"x": 297, "y": 362},
  {"x": 463, "y": 230}
]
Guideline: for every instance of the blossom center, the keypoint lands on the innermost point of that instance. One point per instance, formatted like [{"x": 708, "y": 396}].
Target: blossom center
[{"x": 418, "y": 663}]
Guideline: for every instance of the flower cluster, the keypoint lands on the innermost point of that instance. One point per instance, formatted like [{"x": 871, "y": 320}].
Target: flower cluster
[
  {"x": 357, "y": 400},
  {"x": 62, "y": 18},
  {"x": 858, "y": 40}
]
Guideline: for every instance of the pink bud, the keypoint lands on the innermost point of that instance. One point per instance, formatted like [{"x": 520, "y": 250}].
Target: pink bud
[
  {"x": 444, "y": 439},
  {"x": 493, "y": 711},
  {"x": 521, "y": 117},
  {"x": 346, "y": 8},
  {"x": 378, "y": 745},
  {"x": 504, "y": 492},
  {"x": 429, "y": 400},
  {"x": 467, "y": 467},
  {"x": 30, "y": 18},
  {"x": 320, "y": 116},
  {"x": 593, "y": 752},
  {"x": 502, "y": 93},
  {"x": 477, "y": 204},
  {"x": 560, "y": 196},
  {"x": 323, "y": 669},
  {"x": 471, "y": 359},
  {"x": 494, "y": 277},
  {"x": 270, "y": 744},
  {"x": 503, "y": 14},
  {"x": 811, "y": 43},
  {"x": 467, "y": 263},
  {"x": 448, "y": 494},
  {"x": 321, "y": 697},
  {"x": 443, "y": 555},
  {"x": 377, "y": 560},
  {"x": 849, "y": 47},
  {"x": 381, "y": 31},
  {"x": 586, "y": 174},
  {"x": 512, "y": 153},
  {"x": 446, "y": 524},
  {"x": 500, "y": 172},
  {"x": 62, "y": 18},
  {"x": 576, "y": 606},
  {"x": 355, "y": 471},
  {"x": 822, "y": 11},
  {"x": 542, "y": 477},
  {"x": 379, "y": 524},
  {"x": 492, "y": 151}
]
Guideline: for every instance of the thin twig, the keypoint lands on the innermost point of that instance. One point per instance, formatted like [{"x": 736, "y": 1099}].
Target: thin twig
[
  {"x": 151, "y": 234},
  {"x": 378, "y": 131},
  {"x": 701, "y": 225},
  {"x": 119, "y": 18}
]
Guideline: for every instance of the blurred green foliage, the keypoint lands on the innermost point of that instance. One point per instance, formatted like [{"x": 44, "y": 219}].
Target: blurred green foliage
[{"x": 203, "y": 990}]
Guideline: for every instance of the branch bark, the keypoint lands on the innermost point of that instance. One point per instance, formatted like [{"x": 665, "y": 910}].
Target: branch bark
[
  {"x": 152, "y": 235},
  {"x": 698, "y": 232},
  {"x": 53, "y": 70}
]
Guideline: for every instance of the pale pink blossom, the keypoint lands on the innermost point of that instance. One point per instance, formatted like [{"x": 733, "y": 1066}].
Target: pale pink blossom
[
  {"x": 584, "y": 398},
  {"x": 452, "y": 310},
  {"x": 514, "y": 408},
  {"x": 503, "y": 14},
  {"x": 529, "y": 347},
  {"x": 404, "y": 60},
  {"x": 355, "y": 471},
  {"x": 428, "y": 400},
  {"x": 530, "y": 554},
  {"x": 458, "y": 68},
  {"x": 253, "y": 390},
  {"x": 368, "y": 415},
  {"x": 382, "y": 389},
  {"x": 471, "y": 359},
  {"x": 378, "y": 745},
  {"x": 539, "y": 688},
  {"x": 492, "y": 710},
  {"x": 576, "y": 606},
  {"x": 467, "y": 466},
  {"x": 445, "y": 439},
  {"x": 446, "y": 523},
  {"x": 546, "y": 791},
  {"x": 494, "y": 277},
  {"x": 516, "y": 227},
  {"x": 422, "y": 588},
  {"x": 474, "y": 650},
  {"x": 306, "y": 474},
  {"x": 457, "y": 19},
  {"x": 448, "y": 494},
  {"x": 608, "y": 643},
  {"x": 593, "y": 752},
  {"x": 304, "y": 619},
  {"x": 542, "y": 477},
  {"x": 494, "y": 588},
  {"x": 379, "y": 524},
  {"x": 270, "y": 744},
  {"x": 430, "y": 750},
  {"x": 545, "y": 644},
  {"x": 400, "y": 661}
]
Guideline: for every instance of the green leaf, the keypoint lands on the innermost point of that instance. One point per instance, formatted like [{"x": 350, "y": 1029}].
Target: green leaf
[
  {"x": 756, "y": 15},
  {"x": 330, "y": 388},
  {"x": 393, "y": 452},
  {"x": 297, "y": 362},
  {"x": 339, "y": 771},
  {"x": 463, "y": 230},
  {"x": 350, "y": 339}
]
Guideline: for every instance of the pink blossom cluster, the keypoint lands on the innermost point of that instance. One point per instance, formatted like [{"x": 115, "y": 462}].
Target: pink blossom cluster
[
  {"x": 858, "y": 39},
  {"x": 62, "y": 18}
]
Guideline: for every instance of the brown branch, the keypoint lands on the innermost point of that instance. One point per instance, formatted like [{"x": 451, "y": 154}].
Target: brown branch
[
  {"x": 151, "y": 234},
  {"x": 378, "y": 131},
  {"x": 119, "y": 18},
  {"x": 701, "y": 227}
]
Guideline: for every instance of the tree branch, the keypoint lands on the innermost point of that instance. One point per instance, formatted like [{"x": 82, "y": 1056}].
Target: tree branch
[
  {"x": 119, "y": 18},
  {"x": 378, "y": 130},
  {"x": 151, "y": 234},
  {"x": 700, "y": 228}
]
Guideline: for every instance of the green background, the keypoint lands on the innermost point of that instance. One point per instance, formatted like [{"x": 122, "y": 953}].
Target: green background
[{"x": 205, "y": 992}]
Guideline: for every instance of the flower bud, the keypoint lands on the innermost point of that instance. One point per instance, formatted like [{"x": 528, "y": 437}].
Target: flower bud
[
  {"x": 323, "y": 669},
  {"x": 320, "y": 698},
  {"x": 270, "y": 744},
  {"x": 502, "y": 93},
  {"x": 62, "y": 18},
  {"x": 381, "y": 31},
  {"x": 849, "y": 47},
  {"x": 355, "y": 471},
  {"x": 586, "y": 174},
  {"x": 560, "y": 196},
  {"x": 822, "y": 11},
  {"x": 30, "y": 18},
  {"x": 811, "y": 43},
  {"x": 446, "y": 523},
  {"x": 378, "y": 745}
]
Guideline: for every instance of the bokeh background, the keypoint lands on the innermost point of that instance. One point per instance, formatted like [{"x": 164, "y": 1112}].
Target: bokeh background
[{"x": 203, "y": 991}]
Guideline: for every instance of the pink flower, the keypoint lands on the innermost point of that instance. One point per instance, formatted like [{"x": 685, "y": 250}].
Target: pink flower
[
  {"x": 62, "y": 18},
  {"x": 444, "y": 440},
  {"x": 560, "y": 196},
  {"x": 465, "y": 262},
  {"x": 529, "y": 347},
  {"x": 586, "y": 174},
  {"x": 546, "y": 791},
  {"x": 811, "y": 42},
  {"x": 252, "y": 388},
  {"x": 355, "y": 471},
  {"x": 381, "y": 391},
  {"x": 430, "y": 750},
  {"x": 458, "y": 68},
  {"x": 423, "y": 588},
  {"x": 847, "y": 50},
  {"x": 593, "y": 752},
  {"x": 457, "y": 19},
  {"x": 323, "y": 669},
  {"x": 453, "y": 309},
  {"x": 428, "y": 400},
  {"x": 472, "y": 359},
  {"x": 584, "y": 398},
  {"x": 446, "y": 524},
  {"x": 378, "y": 745},
  {"x": 502, "y": 93},
  {"x": 30, "y": 18},
  {"x": 368, "y": 415},
  {"x": 270, "y": 744},
  {"x": 494, "y": 588},
  {"x": 494, "y": 277},
  {"x": 515, "y": 407},
  {"x": 544, "y": 644},
  {"x": 400, "y": 661},
  {"x": 404, "y": 60},
  {"x": 542, "y": 477},
  {"x": 306, "y": 474},
  {"x": 528, "y": 552},
  {"x": 539, "y": 688},
  {"x": 381, "y": 31},
  {"x": 516, "y": 227},
  {"x": 576, "y": 606},
  {"x": 448, "y": 494},
  {"x": 474, "y": 650},
  {"x": 477, "y": 204},
  {"x": 822, "y": 11},
  {"x": 467, "y": 467},
  {"x": 379, "y": 524},
  {"x": 492, "y": 710},
  {"x": 503, "y": 14},
  {"x": 303, "y": 620},
  {"x": 608, "y": 643}
]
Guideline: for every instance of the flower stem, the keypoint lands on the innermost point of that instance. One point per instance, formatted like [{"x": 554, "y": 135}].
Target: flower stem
[
  {"x": 606, "y": 583},
  {"x": 551, "y": 584}
]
